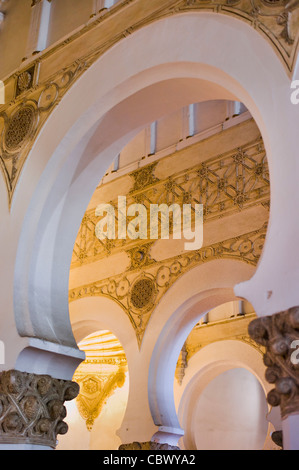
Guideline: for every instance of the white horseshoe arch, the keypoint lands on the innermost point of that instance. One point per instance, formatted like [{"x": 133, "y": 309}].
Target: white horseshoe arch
[{"x": 104, "y": 109}]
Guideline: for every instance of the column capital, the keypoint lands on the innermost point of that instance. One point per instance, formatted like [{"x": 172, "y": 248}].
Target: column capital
[
  {"x": 147, "y": 446},
  {"x": 35, "y": 2},
  {"x": 277, "y": 333},
  {"x": 32, "y": 408}
]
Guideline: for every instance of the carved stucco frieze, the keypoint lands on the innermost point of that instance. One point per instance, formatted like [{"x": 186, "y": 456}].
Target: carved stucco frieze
[
  {"x": 225, "y": 184},
  {"x": 22, "y": 119},
  {"x": 32, "y": 408},
  {"x": 277, "y": 334},
  {"x": 138, "y": 293},
  {"x": 276, "y": 20},
  {"x": 95, "y": 390}
]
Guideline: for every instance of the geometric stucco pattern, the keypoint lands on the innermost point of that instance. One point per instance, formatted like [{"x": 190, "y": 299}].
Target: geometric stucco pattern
[
  {"x": 21, "y": 121},
  {"x": 279, "y": 335},
  {"x": 33, "y": 93},
  {"x": 277, "y": 20},
  {"x": 139, "y": 291},
  {"x": 224, "y": 185},
  {"x": 95, "y": 390},
  {"x": 32, "y": 407},
  {"x": 100, "y": 375}
]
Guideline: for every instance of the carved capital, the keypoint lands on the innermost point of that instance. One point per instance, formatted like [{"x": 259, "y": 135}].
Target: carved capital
[
  {"x": 147, "y": 446},
  {"x": 35, "y": 2},
  {"x": 32, "y": 408},
  {"x": 277, "y": 334},
  {"x": 277, "y": 438}
]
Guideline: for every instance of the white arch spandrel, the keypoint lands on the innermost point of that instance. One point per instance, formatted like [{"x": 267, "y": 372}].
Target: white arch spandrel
[
  {"x": 91, "y": 314},
  {"x": 153, "y": 372}
]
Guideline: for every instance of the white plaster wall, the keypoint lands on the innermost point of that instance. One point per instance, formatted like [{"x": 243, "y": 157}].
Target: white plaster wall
[
  {"x": 174, "y": 128},
  {"x": 13, "y": 34},
  {"x": 67, "y": 16},
  {"x": 211, "y": 362},
  {"x": 104, "y": 434},
  {"x": 135, "y": 149},
  {"x": 210, "y": 114},
  {"x": 230, "y": 414},
  {"x": 169, "y": 130}
]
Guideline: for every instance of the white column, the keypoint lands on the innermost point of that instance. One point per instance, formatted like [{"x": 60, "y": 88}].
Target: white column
[
  {"x": 191, "y": 119},
  {"x": 233, "y": 109},
  {"x": 2, "y": 93},
  {"x": 116, "y": 163},
  {"x": 98, "y": 5},
  {"x": 237, "y": 108},
  {"x": 238, "y": 308},
  {"x": 151, "y": 139},
  {"x": 290, "y": 432},
  {"x": 188, "y": 121},
  {"x": 138, "y": 423},
  {"x": 39, "y": 26},
  {"x": 109, "y": 3}
]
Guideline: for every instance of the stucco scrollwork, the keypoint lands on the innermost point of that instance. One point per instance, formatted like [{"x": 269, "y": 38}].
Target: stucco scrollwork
[
  {"x": 163, "y": 274},
  {"x": 21, "y": 120},
  {"x": 32, "y": 407},
  {"x": 276, "y": 20},
  {"x": 277, "y": 333},
  {"x": 225, "y": 184},
  {"x": 95, "y": 390}
]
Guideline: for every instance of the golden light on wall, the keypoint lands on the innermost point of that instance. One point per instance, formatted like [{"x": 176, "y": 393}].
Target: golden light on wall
[{"x": 103, "y": 371}]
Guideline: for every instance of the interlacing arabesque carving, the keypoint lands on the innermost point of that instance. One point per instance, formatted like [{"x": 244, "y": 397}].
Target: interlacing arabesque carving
[
  {"x": 224, "y": 185},
  {"x": 277, "y": 20},
  {"x": 277, "y": 334},
  {"x": 21, "y": 120},
  {"x": 95, "y": 389},
  {"x": 32, "y": 407},
  {"x": 127, "y": 290}
]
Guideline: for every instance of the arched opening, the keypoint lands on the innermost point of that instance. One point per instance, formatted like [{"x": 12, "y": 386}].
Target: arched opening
[
  {"x": 163, "y": 163},
  {"x": 130, "y": 115},
  {"x": 97, "y": 413},
  {"x": 230, "y": 413},
  {"x": 92, "y": 134},
  {"x": 219, "y": 343}
]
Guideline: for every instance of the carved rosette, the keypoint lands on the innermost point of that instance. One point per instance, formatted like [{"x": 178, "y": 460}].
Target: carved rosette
[
  {"x": 277, "y": 333},
  {"x": 32, "y": 408},
  {"x": 147, "y": 446}
]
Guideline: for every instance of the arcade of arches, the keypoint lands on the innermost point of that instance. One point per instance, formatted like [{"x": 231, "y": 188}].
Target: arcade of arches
[{"x": 136, "y": 342}]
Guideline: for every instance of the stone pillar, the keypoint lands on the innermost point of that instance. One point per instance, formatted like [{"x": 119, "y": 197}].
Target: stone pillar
[
  {"x": 32, "y": 409},
  {"x": 279, "y": 334}
]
